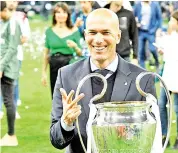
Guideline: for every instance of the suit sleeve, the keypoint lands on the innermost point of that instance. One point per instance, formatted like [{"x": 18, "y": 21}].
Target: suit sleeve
[
  {"x": 150, "y": 86},
  {"x": 58, "y": 136}
]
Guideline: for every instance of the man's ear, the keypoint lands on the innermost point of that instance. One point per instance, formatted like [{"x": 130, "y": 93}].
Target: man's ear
[
  {"x": 117, "y": 40},
  {"x": 118, "y": 37}
]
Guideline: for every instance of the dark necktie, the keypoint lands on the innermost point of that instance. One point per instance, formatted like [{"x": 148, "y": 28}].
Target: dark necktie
[
  {"x": 97, "y": 84},
  {"x": 103, "y": 72}
]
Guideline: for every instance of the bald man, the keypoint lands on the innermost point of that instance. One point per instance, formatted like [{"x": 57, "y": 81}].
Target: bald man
[{"x": 102, "y": 34}]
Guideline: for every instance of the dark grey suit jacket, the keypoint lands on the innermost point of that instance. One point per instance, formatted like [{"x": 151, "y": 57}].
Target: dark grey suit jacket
[{"x": 69, "y": 77}]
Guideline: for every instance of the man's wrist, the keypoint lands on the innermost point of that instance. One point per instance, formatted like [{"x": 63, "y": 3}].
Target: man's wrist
[{"x": 65, "y": 126}]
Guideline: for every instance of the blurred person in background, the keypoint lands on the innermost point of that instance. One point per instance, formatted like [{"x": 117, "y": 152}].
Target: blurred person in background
[
  {"x": 22, "y": 19},
  {"x": 61, "y": 42},
  {"x": 9, "y": 69},
  {"x": 45, "y": 9},
  {"x": 149, "y": 21},
  {"x": 95, "y": 5},
  {"x": 79, "y": 19},
  {"x": 167, "y": 45},
  {"x": 173, "y": 5},
  {"x": 129, "y": 31},
  {"x": 126, "y": 4}
]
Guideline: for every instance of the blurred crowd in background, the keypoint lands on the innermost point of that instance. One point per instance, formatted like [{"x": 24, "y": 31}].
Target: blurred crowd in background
[{"x": 39, "y": 7}]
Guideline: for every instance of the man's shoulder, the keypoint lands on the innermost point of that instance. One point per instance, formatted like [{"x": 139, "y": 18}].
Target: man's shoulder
[
  {"x": 129, "y": 69},
  {"x": 134, "y": 69},
  {"x": 125, "y": 12}
]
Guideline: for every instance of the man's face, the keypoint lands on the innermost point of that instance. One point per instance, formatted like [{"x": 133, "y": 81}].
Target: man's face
[
  {"x": 85, "y": 5},
  {"x": 5, "y": 14},
  {"x": 12, "y": 5},
  {"x": 102, "y": 35}
]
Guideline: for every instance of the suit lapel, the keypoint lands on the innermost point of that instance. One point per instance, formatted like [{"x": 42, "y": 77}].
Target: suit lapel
[
  {"x": 122, "y": 81},
  {"x": 86, "y": 87}
]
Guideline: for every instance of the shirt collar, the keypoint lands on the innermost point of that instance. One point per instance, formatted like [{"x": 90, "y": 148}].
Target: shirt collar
[{"x": 111, "y": 67}]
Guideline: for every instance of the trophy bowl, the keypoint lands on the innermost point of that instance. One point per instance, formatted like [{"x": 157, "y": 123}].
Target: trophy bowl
[{"x": 124, "y": 127}]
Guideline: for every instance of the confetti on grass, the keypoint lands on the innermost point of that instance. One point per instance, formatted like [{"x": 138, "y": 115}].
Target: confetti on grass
[
  {"x": 35, "y": 69},
  {"x": 173, "y": 121},
  {"x": 26, "y": 107}
]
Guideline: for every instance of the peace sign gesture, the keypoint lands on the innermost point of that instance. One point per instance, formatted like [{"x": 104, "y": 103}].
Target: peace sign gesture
[{"x": 70, "y": 108}]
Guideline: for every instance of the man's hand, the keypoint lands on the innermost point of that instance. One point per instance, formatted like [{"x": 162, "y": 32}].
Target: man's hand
[
  {"x": 1, "y": 74},
  {"x": 70, "y": 108}
]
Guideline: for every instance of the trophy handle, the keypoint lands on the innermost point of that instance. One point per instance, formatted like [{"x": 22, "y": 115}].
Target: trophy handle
[
  {"x": 95, "y": 98},
  {"x": 147, "y": 95}
]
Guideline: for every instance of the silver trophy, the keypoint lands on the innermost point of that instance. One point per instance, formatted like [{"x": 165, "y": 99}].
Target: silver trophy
[{"x": 125, "y": 127}]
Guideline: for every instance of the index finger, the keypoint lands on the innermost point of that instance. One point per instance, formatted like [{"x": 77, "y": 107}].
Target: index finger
[
  {"x": 69, "y": 97},
  {"x": 75, "y": 101},
  {"x": 63, "y": 93}
]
